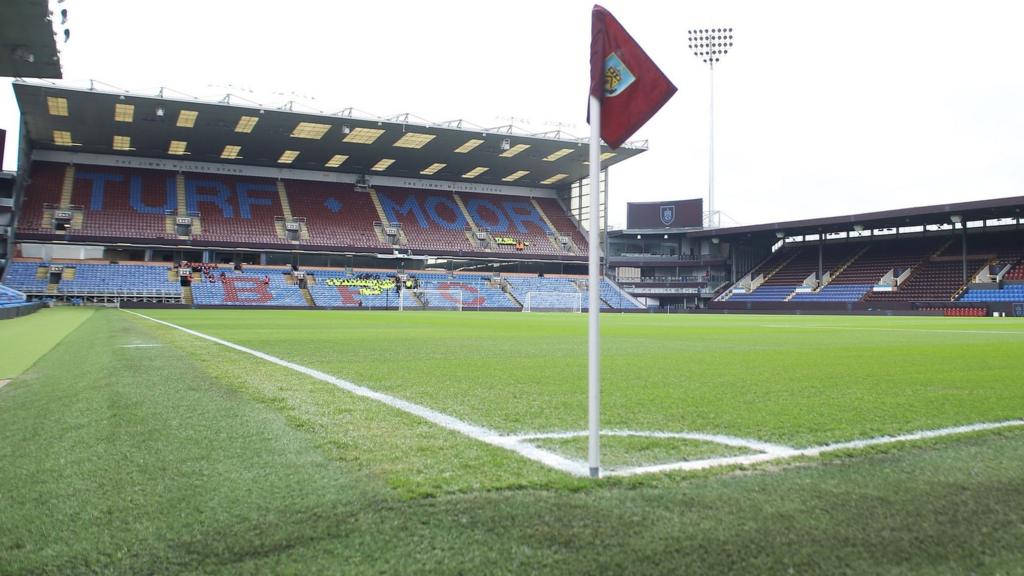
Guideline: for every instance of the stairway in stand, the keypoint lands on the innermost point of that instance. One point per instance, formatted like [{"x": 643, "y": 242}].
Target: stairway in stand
[
  {"x": 553, "y": 236},
  {"x": 308, "y": 297}
]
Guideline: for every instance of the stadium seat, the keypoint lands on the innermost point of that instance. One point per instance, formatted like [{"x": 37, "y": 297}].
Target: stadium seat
[
  {"x": 127, "y": 204},
  {"x": 248, "y": 288}
]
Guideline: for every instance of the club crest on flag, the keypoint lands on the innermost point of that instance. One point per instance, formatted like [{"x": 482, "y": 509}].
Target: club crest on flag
[
  {"x": 668, "y": 215},
  {"x": 616, "y": 76}
]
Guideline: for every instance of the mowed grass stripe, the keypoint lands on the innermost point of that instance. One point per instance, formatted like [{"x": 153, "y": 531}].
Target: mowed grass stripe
[
  {"x": 412, "y": 456},
  {"x": 437, "y": 418},
  {"x": 141, "y": 460},
  {"x": 27, "y": 338},
  {"x": 522, "y": 373}
]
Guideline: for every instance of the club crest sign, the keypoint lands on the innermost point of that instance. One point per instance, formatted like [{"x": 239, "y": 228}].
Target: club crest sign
[
  {"x": 616, "y": 76},
  {"x": 668, "y": 215}
]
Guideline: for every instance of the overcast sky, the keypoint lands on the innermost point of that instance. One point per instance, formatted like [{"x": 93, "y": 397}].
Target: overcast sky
[{"x": 822, "y": 108}]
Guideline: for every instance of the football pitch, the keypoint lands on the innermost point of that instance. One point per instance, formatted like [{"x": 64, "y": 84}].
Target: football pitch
[
  {"x": 179, "y": 440},
  {"x": 678, "y": 391}
]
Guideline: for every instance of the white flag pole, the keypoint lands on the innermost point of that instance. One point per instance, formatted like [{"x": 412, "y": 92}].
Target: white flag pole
[{"x": 593, "y": 330}]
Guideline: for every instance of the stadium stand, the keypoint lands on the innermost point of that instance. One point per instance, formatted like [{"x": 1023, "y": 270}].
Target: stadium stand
[
  {"x": 334, "y": 288},
  {"x": 515, "y": 218},
  {"x": 43, "y": 189},
  {"x": 935, "y": 272},
  {"x": 835, "y": 292},
  {"x": 336, "y": 214},
  {"x": 780, "y": 285},
  {"x": 1016, "y": 273},
  {"x": 121, "y": 203},
  {"x": 869, "y": 265},
  {"x": 27, "y": 277},
  {"x": 1003, "y": 245},
  {"x": 615, "y": 297},
  {"x": 377, "y": 290},
  {"x": 430, "y": 221},
  {"x": 564, "y": 225},
  {"x": 805, "y": 262},
  {"x": 239, "y": 210},
  {"x": 119, "y": 279},
  {"x": 520, "y": 286},
  {"x": 1008, "y": 293},
  {"x": 85, "y": 278},
  {"x": 884, "y": 256},
  {"x": 766, "y": 294},
  {"x": 935, "y": 265},
  {"x": 248, "y": 288},
  {"x": 545, "y": 291},
  {"x": 765, "y": 269},
  {"x": 337, "y": 289},
  {"x": 932, "y": 280},
  {"x": 140, "y": 204},
  {"x": 478, "y": 291}
]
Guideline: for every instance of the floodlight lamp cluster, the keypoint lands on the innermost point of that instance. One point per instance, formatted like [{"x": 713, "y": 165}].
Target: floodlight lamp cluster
[{"x": 710, "y": 44}]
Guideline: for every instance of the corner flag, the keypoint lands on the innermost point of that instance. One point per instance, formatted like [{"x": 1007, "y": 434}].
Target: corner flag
[
  {"x": 626, "y": 90},
  {"x": 623, "y": 77}
]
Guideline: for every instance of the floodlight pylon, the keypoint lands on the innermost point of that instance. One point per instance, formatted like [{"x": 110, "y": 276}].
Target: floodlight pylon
[{"x": 710, "y": 45}]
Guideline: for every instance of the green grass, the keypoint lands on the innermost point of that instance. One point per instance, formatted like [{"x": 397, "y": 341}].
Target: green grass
[
  {"x": 26, "y": 338},
  {"x": 190, "y": 457},
  {"x": 793, "y": 380}
]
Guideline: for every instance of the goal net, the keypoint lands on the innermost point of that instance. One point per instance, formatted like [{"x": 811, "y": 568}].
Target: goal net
[
  {"x": 553, "y": 302},
  {"x": 424, "y": 299}
]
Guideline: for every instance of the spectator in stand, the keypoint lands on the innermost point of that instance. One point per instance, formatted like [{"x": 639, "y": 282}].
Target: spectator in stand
[{"x": 266, "y": 280}]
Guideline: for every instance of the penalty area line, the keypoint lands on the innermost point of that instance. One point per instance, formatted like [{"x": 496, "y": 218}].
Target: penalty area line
[{"x": 441, "y": 419}]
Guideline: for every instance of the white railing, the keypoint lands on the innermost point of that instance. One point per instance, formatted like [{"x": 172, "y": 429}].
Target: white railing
[
  {"x": 756, "y": 282},
  {"x": 13, "y": 292}
]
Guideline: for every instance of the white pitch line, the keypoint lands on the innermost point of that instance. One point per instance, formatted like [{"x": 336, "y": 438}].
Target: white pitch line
[
  {"x": 814, "y": 450},
  {"x": 697, "y": 464},
  {"x": 920, "y": 435},
  {"x": 139, "y": 346},
  {"x": 734, "y": 441},
  {"x": 445, "y": 421},
  {"x": 868, "y": 328}
]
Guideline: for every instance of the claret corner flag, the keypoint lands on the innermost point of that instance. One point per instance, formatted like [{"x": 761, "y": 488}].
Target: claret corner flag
[
  {"x": 623, "y": 77},
  {"x": 626, "y": 90}
]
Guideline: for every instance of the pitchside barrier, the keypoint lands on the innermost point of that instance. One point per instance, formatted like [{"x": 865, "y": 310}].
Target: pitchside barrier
[{"x": 8, "y": 312}]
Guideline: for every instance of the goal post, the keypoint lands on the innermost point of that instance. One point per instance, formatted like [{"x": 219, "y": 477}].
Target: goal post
[
  {"x": 428, "y": 299},
  {"x": 553, "y": 302}
]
